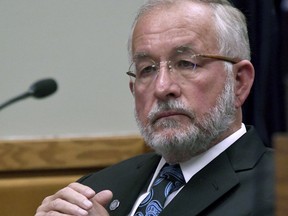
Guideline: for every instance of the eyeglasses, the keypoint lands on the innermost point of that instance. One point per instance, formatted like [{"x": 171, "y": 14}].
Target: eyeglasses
[{"x": 145, "y": 70}]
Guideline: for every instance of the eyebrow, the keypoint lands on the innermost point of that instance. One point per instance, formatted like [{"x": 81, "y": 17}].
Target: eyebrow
[
  {"x": 175, "y": 51},
  {"x": 140, "y": 55},
  {"x": 184, "y": 49}
]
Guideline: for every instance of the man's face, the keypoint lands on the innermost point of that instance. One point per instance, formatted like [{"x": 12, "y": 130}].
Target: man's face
[{"x": 169, "y": 107}]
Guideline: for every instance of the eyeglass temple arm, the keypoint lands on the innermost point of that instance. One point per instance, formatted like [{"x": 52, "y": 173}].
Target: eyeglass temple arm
[
  {"x": 219, "y": 57},
  {"x": 131, "y": 74}
]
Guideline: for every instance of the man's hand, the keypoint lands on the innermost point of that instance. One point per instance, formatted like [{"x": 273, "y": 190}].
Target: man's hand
[{"x": 75, "y": 200}]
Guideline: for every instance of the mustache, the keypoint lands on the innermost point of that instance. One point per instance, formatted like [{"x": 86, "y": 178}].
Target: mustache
[{"x": 170, "y": 106}]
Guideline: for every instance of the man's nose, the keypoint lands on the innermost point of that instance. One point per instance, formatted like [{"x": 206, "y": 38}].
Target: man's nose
[{"x": 166, "y": 83}]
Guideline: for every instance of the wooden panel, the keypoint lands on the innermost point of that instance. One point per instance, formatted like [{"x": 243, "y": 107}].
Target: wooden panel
[
  {"x": 67, "y": 153},
  {"x": 30, "y": 170},
  {"x": 281, "y": 146},
  {"x": 22, "y": 196}
]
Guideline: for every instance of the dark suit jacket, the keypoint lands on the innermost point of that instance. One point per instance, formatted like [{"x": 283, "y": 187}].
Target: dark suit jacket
[{"x": 240, "y": 181}]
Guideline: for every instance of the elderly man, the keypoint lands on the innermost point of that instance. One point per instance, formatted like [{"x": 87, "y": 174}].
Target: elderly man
[{"x": 190, "y": 74}]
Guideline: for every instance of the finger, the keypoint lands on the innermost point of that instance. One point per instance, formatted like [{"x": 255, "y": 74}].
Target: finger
[
  {"x": 68, "y": 200},
  {"x": 99, "y": 201},
  {"x": 82, "y": 189},
  {"x": 75, "y": 197},
  {"x": 103, "y": 197},
  {"x": 60, "y": 207}
]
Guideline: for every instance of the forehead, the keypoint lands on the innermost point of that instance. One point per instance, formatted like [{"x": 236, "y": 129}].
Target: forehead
[{"x": 169, "y": 26}]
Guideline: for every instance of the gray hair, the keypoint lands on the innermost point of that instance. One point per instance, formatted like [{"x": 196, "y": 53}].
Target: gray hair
[{"x": 230, "y": 25}]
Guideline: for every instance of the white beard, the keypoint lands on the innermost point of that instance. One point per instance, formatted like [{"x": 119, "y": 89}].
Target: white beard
[{"x": 184, "y": 141}]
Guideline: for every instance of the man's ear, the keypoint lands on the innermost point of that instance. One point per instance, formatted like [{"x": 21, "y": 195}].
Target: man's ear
[
  {"x": 131, "y": 86},
  {"x": 244, "y": 76}
]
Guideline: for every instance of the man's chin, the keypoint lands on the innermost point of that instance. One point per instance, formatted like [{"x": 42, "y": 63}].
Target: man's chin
[
  {"x": 171, "y": 124},
  {"x": 166, "y": 136},
  {"x": 169, "y": 130}
]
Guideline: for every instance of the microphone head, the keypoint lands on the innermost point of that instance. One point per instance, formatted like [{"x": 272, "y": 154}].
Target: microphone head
[{"x": 43, "y": 88}]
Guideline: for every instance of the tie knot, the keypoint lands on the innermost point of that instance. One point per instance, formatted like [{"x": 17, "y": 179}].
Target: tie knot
[{"x": 173, "y": 174}]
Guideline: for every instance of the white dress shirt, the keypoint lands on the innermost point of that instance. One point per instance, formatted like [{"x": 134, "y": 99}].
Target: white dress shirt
[{"x": 194, "y": 165}]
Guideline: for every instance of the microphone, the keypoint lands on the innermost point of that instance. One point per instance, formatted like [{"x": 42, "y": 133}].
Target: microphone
[{"x": 39, "y": 89}]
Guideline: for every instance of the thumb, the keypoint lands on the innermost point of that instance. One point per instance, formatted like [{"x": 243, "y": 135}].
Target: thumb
[{"x": 103, "y": 197}]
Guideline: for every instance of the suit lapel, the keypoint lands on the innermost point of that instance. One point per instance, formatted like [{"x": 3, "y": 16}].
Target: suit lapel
[
  {"x": 212, "y": 182},
  {"x": 246, "y": 151}
]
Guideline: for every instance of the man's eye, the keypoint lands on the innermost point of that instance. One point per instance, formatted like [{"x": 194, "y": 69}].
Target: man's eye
[
  {"x": 148, "y": 70},
  {"x": 185, "y": 64}
]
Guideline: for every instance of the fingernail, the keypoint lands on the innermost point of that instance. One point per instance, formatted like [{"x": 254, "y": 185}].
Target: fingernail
[
  {"x": 82, "y": 212},
  {"x": 90, "y": 192},
  {"x": 88, "y": 203}
]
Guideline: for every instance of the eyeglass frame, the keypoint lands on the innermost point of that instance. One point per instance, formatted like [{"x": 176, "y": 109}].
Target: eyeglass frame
[{"x": 211, "y": 56}]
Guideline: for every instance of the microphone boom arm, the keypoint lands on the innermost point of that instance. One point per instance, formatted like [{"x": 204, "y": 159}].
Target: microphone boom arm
[{"x": 15, "y": 99}]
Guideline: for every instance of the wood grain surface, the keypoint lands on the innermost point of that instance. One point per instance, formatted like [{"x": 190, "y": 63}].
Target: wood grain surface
[
  {"x": 31, "y": 170},
  {"x": 65, "y": 153},
  {"x": 281, "y": 147}
]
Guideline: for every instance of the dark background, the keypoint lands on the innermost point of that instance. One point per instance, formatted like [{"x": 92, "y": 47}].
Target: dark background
[{"x": 268, "y": 31}]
